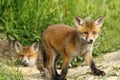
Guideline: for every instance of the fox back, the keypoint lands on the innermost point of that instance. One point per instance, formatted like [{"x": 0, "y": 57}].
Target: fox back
[{"x": 27, "y": 54}]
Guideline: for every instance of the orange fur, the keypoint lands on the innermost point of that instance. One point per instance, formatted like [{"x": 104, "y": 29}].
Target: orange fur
[
  {"x": 27, "y": 51},
  {"x": 27, "y": 54},
  {"x": 69, "y": 42}
]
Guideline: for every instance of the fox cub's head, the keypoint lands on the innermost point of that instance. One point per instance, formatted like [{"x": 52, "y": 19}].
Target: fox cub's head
[
  {"x": 27, "y": 54},
  {"x": 88, "y": 30}
]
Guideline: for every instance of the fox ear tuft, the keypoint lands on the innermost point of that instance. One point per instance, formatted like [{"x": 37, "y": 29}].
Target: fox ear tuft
[
  {"x": 78, "y": 21},
  {"x": 99, "y": 21},
  {"x": 18, "y": 47},
  {"x": 35, "y": 47}
]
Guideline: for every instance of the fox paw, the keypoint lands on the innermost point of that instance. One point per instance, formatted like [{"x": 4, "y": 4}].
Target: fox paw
[
  {"x": 98, "y": 72},
  {"x": 58, "y": 78}
]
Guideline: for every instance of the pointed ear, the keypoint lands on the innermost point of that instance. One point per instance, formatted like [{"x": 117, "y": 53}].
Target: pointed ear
[
  {"x": 18, "y": 47},
  {"x": 99, "y": 21},
  {"x": 35, "y": 47},
  {"x": 78, "y": 21}
]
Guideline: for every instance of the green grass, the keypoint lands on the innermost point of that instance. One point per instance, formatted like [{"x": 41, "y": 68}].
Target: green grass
[
  {"x": 25, "y": 20},
  {"x": 7, "y": 73}
]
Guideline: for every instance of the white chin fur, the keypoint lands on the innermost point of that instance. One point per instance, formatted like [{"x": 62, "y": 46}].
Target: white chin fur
[{"x": 31, "y": 62}]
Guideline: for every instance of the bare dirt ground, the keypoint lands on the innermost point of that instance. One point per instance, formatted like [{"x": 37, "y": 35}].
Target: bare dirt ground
[{"x": 110, "y": 63}]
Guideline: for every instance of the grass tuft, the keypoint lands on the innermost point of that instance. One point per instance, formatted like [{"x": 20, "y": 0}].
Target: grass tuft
[{"x": 7, "y": 73}]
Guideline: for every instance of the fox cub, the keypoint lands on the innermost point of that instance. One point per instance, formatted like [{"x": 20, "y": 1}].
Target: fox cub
[
  {"x": 62, "y": 40},
  {"x": 31, "y": 56},
  {"x": 27, "y": 54}
]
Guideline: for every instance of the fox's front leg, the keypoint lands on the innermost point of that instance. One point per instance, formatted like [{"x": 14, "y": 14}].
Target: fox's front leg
[{"x": 88, "y": 58}]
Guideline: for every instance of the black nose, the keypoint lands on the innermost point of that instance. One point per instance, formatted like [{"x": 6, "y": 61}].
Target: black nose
[
  {"x": 91, "y": 40},
  {"x": 23, "y": 62}
]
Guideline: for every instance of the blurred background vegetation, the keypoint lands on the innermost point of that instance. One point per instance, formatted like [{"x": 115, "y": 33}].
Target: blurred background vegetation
[{"x": 25, "y": 20}]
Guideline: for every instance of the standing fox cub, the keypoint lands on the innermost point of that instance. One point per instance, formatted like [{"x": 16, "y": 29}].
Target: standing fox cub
[
  {"x": 66, "y": 41},
  {"x": 27, "y": 54}
]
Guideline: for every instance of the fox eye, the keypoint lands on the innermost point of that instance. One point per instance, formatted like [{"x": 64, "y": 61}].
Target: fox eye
[
  {"x": 85, "y": 32},
  {"x": 21, "y": 55},
  {"x": 94, "y": 32}
]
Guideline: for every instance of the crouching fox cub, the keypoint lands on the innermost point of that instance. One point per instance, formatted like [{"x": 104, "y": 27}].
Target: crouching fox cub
[
  {"x": 62, "y": 40},
  {"x": 27, "y": 54},
  {"x": 31, "y": 56}
]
